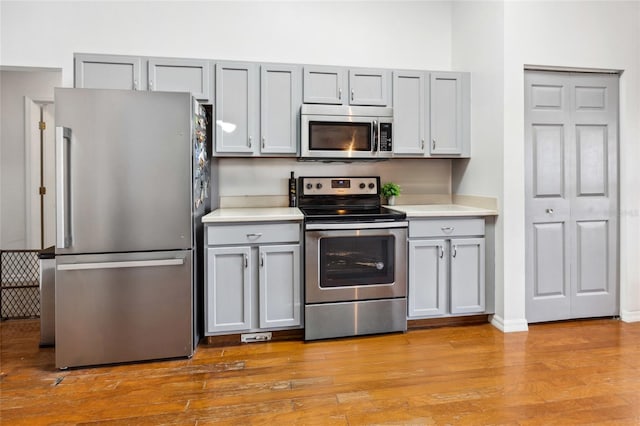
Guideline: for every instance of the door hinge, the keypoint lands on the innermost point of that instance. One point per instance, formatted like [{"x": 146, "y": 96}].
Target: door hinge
[
  {"x": 43, "y": 190},
  {"x": 42, "y": 125}
]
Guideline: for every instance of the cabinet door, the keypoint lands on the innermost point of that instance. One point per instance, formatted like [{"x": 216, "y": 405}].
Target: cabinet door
[
  {"x": 107, "y": 72},
  {"x": 467, "y": 275},
  {"x": 236, "y": 103},
  {"x": 409, "y": 113},
  {"x": 368, "y": 87},
  {"x": 180, "y": 75},
  {"x": 446, "y": 114},
  {"x": 427, "y": 278},
  {"x": 228, "y": 289},
  {"x": 280, "y": 303},
  {"x": 280, "y": 101},
  {"x": 324, "y": 85}
]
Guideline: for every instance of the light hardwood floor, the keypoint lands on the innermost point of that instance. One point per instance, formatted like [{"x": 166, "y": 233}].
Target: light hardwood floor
[{"x": 583, "y": 372}]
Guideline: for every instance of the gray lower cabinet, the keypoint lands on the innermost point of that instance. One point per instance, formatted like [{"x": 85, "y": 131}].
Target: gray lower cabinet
[
  {"x": 254, "y": 282},
  {"x": 446, "y": 267}
]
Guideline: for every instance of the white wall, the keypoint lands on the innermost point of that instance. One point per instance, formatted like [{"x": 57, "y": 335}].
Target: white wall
[
  {"x": 477, "y": 47},
  {"x": 575, "y": 34},
  {"x": 396, "y": 34},
  {"x": 14, "y": 86}
]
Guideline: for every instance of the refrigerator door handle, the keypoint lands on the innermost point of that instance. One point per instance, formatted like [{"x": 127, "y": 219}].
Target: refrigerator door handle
[
  {"x": 63, "y": 223},
  {"x": 121, "y": 264}
]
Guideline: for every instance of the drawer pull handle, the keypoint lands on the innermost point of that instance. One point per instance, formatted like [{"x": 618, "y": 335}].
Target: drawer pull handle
[
  {"x": 254, "y": 236},
  {"x": 447, "y": 229}
]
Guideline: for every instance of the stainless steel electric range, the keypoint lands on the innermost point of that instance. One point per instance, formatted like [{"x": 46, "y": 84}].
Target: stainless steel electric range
[{"x": 355, "y": 258}]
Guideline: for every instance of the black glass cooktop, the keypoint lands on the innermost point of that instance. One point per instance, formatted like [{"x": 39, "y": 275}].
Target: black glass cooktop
[{"x": 351, "y": 213}]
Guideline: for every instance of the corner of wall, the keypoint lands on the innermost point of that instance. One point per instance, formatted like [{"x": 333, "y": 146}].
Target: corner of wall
[{"x": 509, "y": 326}]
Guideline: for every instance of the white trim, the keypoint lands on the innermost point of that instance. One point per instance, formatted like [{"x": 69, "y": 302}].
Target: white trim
[
  {"x": 528, "y": 67},
  {"x": 28, "y": 207},
  {"x": 630, "y": 316},
  {"x": 509, "y": 326}
]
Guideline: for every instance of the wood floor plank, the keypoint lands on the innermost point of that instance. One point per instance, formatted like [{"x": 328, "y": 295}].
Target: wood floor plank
[{"x": 577, "y": 372}]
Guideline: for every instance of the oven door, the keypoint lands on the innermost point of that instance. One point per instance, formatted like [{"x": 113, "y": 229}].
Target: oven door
[{"x": 355, "y": 264}]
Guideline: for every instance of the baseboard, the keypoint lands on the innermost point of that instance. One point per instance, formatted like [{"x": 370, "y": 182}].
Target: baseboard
[
  {"x": 630, "y": 316},
  {"x": 235, "y": 339},
  {"x": 509, "y": 326}
]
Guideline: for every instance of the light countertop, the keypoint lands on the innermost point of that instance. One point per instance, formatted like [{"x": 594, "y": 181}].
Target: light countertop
[
  {"x": 439, "y": 210},
  {"x": 253, "y": 214}
]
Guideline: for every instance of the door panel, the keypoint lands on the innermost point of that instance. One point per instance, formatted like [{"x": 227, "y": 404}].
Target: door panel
[
  {"x": 549, "y": 274},
  {"x": 280, "y": 302},
  {"x": 592, "y": 257},
  {"x": 409, "y": 113},
  {"x": 548, "y": 151},
  {"x": 427, "y": 278},
  {"x": 467, "y": 275},
  {"x": 571, "y": 234},
  {"x": 591, "y": 160}
]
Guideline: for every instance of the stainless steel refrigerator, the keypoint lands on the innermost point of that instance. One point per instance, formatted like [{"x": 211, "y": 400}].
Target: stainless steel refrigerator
[{"x": 132, "y": 178}]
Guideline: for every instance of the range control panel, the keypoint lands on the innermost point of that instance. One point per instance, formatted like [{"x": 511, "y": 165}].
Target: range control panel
[{"x": 339, "y": 185}]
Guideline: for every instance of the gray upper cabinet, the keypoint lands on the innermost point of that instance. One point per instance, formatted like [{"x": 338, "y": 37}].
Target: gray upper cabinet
[
  {"x": 369, "y": 87},
  {"x": 280, "y": 99},
  {"x": 94, "y": 71},
  {"x": 409, "y": 113},
  {"x": 257, "y": 109},
  {"x": 236, "y": 108},
  {"x": 449, "y": 114},
  {"x": 181, "y": 75},
  {"x": 344, "y": 86},
  {"x": 324, "y": 85}
]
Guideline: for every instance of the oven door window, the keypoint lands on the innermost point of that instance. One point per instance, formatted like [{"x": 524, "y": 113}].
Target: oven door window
[
  {"x": 337, "y": 136},
  {"x": 356, "y": 261}
]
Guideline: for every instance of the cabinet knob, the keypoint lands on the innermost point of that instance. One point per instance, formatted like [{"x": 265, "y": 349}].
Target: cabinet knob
[
  {"x": 264, "y": 142},
  {"x": 441, "y": 251},
  {"x": 135, "y": 84},
  {"x": 249, "y": 142},
  {"x": 352, "y": 94},
  {"x": 433, "y": 144},
  {"x": 422, "y": 144},
  {"x": 549, "y": 211},
  {"x": 246, "y": 261},
  {"x": 340, "y": 94},
  {"x": 454, "y": 251},
  {"x": 262, "y": 260}
]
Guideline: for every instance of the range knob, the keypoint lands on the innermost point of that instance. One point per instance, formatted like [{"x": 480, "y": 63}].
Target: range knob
[
  {"x": 319, "y": 185},
  {"x": 362, "y": 185},
  {"x": 309, "y": 186},
  {"x": 372, "y": 185}
]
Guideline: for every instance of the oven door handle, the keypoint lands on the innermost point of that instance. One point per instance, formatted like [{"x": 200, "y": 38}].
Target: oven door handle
[{"x": 355, "y": 225}]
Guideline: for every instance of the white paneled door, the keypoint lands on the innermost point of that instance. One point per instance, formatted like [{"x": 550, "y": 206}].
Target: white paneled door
[{"x": 571, "y": 166}]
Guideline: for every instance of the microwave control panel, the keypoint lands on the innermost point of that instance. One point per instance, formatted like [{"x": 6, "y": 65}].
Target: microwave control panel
[{"x": 386, "y": 144}]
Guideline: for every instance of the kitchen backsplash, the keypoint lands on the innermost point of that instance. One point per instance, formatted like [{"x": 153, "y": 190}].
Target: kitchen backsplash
[{"x": 245, "y": 182}]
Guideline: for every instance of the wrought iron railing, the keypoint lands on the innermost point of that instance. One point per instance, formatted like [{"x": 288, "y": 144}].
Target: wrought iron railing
[{"x": 19, "y": 284}]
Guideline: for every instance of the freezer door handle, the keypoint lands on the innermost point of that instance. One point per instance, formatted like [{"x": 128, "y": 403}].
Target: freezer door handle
[
  {"x": 63, "y": 205},
  {"x": 121, "y": 264}
]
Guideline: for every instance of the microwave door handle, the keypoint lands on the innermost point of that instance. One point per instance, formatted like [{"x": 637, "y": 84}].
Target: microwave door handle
[{"x": 375, "y": 131}]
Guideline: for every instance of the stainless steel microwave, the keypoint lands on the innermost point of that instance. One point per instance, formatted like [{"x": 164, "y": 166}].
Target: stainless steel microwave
[{"x": 336, "y": 131}]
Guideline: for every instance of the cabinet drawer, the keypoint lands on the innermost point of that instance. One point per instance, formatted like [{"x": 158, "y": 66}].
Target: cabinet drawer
[
  {"x": 445, "y": 227},
  {"x": 257, "y": 233}
]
